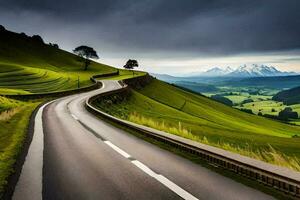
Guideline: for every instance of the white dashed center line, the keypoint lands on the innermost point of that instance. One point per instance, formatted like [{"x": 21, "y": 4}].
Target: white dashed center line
[
  {"x": 117, "y": 149},
  {"x": 166, "y": 182}
]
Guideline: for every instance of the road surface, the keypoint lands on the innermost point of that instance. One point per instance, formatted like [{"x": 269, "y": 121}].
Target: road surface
[{"x": 74, "y": 155}]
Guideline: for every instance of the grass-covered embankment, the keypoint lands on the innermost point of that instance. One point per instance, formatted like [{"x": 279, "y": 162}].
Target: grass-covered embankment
[
  {"x": 165, "y": 107},
  {"x": 14, "y": 121}
]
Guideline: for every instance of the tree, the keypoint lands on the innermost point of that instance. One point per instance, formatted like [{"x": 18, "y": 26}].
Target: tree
[
  {"x": 23, "y": 35},
  {"x": 54, "y": 45},
  {"x": 86, "y": 53},
  {"x": 130, "y": 64},
  {"x": 287, "y": 113},
  {"x": 38, "y": 39}
]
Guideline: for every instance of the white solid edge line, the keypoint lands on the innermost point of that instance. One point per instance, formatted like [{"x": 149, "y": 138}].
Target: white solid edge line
[
  {"x": 117, "y": 149},
  {"x": 74, "y": 116},
  {"x": 169, "y": 184},
  {"x": 29, "y": 185}
]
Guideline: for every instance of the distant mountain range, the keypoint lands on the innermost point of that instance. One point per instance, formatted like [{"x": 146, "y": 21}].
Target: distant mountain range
[
  {"x": 216, "y": 71},
  {"x": 252, "y": 70}
]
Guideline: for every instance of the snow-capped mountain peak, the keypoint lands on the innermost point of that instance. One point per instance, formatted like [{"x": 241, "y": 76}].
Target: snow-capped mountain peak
[
  {"x": 228, "y": 69},
  {"x": 217, "y": 71},
  {"x": 253, "y": 70}
]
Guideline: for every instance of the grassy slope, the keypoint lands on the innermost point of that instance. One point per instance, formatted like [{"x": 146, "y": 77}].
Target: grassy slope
[
  {"x": 14, "y": 119},
  {"x": 27, "y": 66},
  {"x": 204, "y": 117}
]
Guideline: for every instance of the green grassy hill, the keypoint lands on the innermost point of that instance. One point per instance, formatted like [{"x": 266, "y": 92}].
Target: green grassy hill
[
  {"x": 27, "y": 65},
  {"x": 165, "y": 107}
]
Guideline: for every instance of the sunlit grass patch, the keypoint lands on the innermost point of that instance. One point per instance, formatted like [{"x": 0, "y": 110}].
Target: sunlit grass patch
[
  {"x": 7, "y": 114},
  {"x": 179, "y": 130}
]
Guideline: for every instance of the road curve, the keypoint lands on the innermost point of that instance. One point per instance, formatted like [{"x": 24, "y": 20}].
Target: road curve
[{"x": 86, "y": 158}]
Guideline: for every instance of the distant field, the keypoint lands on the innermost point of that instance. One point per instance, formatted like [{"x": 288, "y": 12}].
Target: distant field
[
  {"x": 265, "y": 107},
  {"x": 239, "y": 97},
  {"x": 270, "y": 107},
  {"x": 206, "y": 120}
]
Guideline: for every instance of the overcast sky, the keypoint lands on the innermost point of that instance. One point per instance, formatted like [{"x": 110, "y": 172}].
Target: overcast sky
[{"x": 167, "y": 36}]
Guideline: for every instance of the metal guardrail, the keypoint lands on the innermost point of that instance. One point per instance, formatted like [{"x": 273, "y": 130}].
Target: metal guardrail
[{"x": 280, "y": 178}]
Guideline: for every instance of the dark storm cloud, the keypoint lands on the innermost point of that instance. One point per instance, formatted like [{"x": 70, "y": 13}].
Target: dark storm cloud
[{"x": 216, "y": 27}]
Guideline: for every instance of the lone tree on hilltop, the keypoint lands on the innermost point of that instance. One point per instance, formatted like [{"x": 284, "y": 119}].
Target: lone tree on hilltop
[
  {"x": 130, "y": 64},
  {"x": 86, "y": 53}
]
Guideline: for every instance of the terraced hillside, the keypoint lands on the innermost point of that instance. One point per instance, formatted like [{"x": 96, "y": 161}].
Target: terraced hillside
[
  {"x": 21, "y": 80},
  {"x": 27, "y": 65},
  {"x": 165, "y": 107}
]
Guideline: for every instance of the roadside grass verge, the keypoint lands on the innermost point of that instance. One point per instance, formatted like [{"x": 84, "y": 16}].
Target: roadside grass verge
[
  {"x": 268, "y": 154},
  {"x": 14, "y": 121},
  {"x": 6, "y": 104}
]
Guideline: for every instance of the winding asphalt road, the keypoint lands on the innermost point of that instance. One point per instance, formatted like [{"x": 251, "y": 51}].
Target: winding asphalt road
[{"x": 74, "y": 155}]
